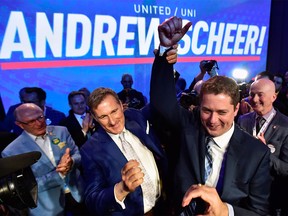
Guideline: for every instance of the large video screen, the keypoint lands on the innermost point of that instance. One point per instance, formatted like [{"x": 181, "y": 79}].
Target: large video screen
[{"x": 63, "y": 46}]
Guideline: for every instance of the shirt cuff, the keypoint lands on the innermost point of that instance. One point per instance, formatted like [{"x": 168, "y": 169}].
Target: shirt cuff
[
  {"x": 230, "y": 210},
  {"x": 162, "y": 50},
  {"x": 84, "y": 132},
  {"x": 121, "y": 203}
]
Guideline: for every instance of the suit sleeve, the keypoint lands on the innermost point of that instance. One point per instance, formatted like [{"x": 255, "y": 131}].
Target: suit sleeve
[
  {"x": 279, "y": 158},
  {"x": 99, "y": 194},
  {"x": 163, "y": 93},
  {"x": 259, "y": 190}
]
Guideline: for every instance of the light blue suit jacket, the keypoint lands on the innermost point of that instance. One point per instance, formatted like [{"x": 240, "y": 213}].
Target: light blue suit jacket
[{"x": 50, "y": 185}]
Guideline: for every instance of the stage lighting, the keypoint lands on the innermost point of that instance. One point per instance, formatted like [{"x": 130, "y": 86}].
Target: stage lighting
[
  {"x": 18, "y": 186},
  {"x": 240, "y": 74}
]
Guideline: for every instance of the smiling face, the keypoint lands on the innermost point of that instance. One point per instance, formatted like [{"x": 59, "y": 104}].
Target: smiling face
[
  {"x": 217, "y": 113},
  {"x": 262, "y": 95},
  {"x": 110, "y": 115},
  {"x": 31, "y": 119}
]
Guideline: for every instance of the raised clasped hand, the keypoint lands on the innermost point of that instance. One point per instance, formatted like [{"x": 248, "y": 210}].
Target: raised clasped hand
[{"x": 171, "y": 31}]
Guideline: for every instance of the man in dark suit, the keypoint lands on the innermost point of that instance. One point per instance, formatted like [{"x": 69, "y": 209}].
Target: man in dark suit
[
  {"x": 130, "y": 97},
  {"x": 115, "y": 181},
  {"x": 274, "y": 133},
  {"x": 37, "y": 96},
  {"x": 237, "y": 180},
  {"x": 79, "y": 122}
]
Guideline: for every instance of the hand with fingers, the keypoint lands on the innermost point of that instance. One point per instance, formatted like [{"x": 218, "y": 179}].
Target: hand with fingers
[
  {"x": 214, "y": 205},
  {"x": 132, "y": 177},
  {"x": 65, "y": 164},
  {"x": 171, "y": 54}
]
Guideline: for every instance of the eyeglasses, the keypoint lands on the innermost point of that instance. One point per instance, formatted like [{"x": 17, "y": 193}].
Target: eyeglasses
[{"x": 33, "y": 121}]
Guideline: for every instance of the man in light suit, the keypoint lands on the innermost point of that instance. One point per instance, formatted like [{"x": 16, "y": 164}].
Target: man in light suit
[
  {"x": 239, "y": 180},
  {"x": 56, "y": 172},
  {"x": 274, "y": 133},
  {"x": 37, "y": 96},
  {"x": 113, "y": 180}
]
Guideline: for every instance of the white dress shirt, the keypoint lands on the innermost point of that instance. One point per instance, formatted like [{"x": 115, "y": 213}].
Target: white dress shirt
[{"x": 147, "y": 159}]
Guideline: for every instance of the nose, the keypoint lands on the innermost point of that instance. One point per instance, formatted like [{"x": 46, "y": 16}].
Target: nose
[
  {"x": 213, "y": 117},
  {"x": 111, "y": 120}
]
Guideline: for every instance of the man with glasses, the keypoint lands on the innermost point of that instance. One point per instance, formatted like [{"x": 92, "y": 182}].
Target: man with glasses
[
  {"x": 56, "y": 172},
  {"x": 37, "y": 96}
]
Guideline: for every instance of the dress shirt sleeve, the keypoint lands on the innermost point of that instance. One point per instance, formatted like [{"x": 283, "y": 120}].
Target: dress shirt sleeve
[{"x": 121, "y": 203}]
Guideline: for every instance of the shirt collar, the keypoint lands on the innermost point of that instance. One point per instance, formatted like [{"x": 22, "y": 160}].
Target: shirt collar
[
  {"x": 117, "y": 135},
  {"x": 223, "y": 140},
  {"x": 79, "y": 116},
  {"x": 266, "y": 116},
  {"x": 36, "y": 137}
]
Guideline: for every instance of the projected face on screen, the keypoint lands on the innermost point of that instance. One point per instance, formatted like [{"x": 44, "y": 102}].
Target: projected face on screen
[{"x": 66, "y": 46}]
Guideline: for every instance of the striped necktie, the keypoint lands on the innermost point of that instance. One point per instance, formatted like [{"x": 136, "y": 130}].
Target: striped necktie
[
  {"x": 208, "y": 157},
  {"x": 259, "y": 123}
]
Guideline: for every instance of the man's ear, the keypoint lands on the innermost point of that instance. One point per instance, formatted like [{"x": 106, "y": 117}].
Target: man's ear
[
  {"x": 19, "y": 124},
  {"x": 236, "y": 109}
]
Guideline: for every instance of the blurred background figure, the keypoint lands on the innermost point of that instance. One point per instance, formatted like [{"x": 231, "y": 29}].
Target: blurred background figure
[
  {"x": 79, "y": 122},
  {"x": 129, "y": 96},
  {"x": 86, "y": 93},
  {"x": 180, "y": 86}
]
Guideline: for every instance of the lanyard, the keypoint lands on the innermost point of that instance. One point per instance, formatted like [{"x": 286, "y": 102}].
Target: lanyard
[{"x": 265, "y": 125}]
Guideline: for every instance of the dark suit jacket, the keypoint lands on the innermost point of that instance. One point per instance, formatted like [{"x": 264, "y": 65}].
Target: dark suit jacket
[
  {"x": 276, "y": 135},
  {"x": 246, "y": 184},
  {"x": 75, "y": 129},
  {"x": 9, "y": 125},
  {"x": 136, "y": 98},
  {"x": 102, "y": 162}
]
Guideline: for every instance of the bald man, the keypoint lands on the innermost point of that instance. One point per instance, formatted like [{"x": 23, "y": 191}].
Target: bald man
[
  {"x": 56, "y": 171},
  {"x": 271, "y": 127}
]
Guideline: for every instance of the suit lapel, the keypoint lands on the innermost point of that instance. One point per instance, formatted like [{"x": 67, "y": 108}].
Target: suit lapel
[
  {"x": 135, "y": 128},
  {"x": 75, "y": 122},
  {"x": 57, "y": 143},
  {"x": 201, "y": 154},
  {"x": 108, "y": 146},
  {"x": 251, "y": 122},
  {"x": 234, "y": 152},
  {"x": 31, "y": 145},
  {"x": 272, "y": 127}
]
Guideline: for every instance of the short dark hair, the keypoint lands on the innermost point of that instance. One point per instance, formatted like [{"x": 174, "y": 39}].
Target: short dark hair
[
  {"x": 126, "y": 75},
  {"x": 41, "y": 94},
  {"x": 74, "y": 93},
  {"x": 265, "y": 74},
  {"x": 221, "y": 85},
  {"x": 98, "y": 95}
]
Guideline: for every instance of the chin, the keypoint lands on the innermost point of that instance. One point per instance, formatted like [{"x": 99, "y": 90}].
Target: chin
[{"x": 215, "y": 133}]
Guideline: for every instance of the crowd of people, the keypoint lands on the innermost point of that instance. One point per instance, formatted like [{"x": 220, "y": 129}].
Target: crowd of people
[{"x": 117, "y": 154}]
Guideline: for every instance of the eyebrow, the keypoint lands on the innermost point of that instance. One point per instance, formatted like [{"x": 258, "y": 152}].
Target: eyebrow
[{"x": 102, "y": 116}]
